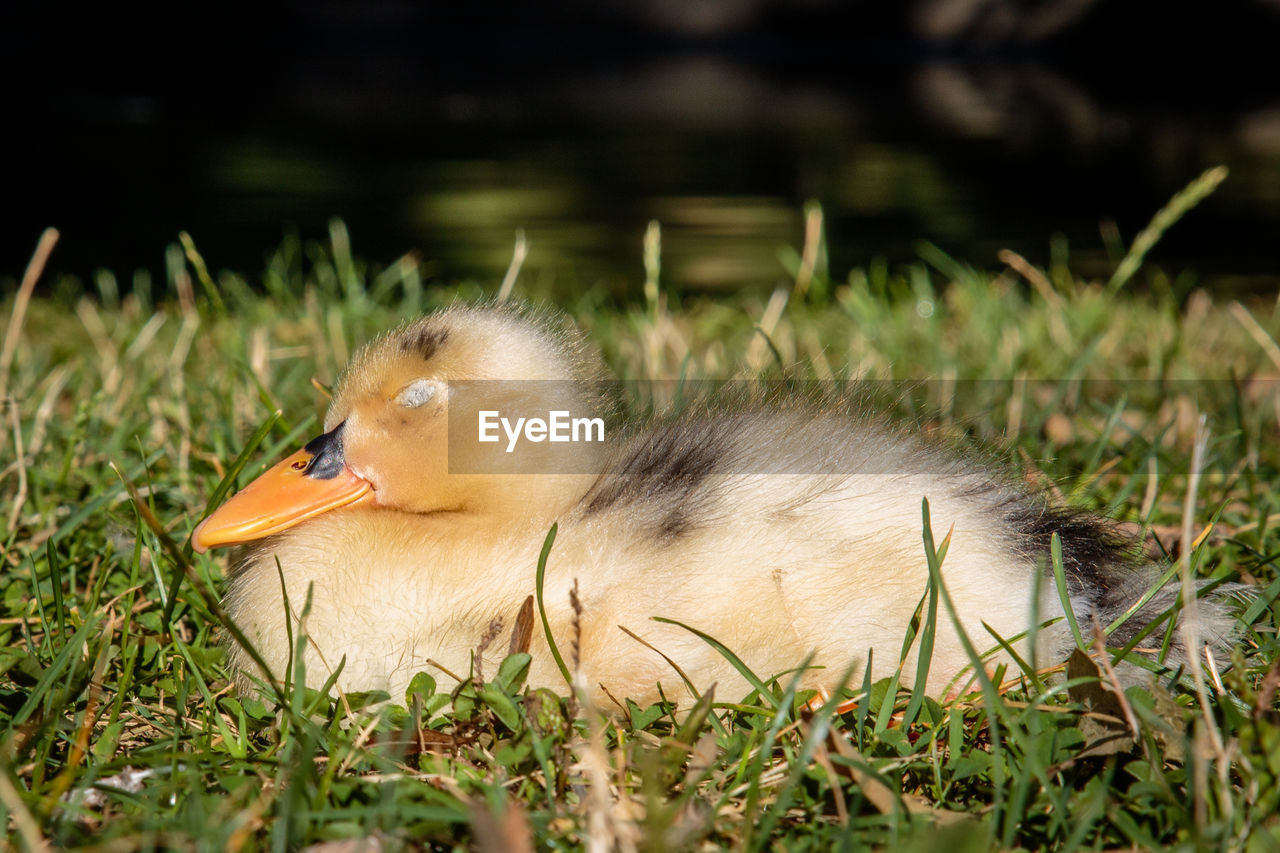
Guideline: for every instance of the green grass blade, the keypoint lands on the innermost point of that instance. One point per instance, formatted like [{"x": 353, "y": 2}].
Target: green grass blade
[
  {"x": 229, "y": 480},
  {"x": 55, "y": 581},
  {"x": 1178, "y": 206},
  {"x": 990, "y": 696},
  {"x": 929, "y": 630},
  {"x": 735, "y": 661},
  {"x": 1064, "y": 595},
  {"x": 542, "y": 610}
]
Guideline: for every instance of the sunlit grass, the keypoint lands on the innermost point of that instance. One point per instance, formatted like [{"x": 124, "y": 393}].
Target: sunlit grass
[{"x": 111, "y": 673}]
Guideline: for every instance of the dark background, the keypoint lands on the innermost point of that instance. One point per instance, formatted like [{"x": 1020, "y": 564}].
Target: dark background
[{"x": 443, "y": 128}]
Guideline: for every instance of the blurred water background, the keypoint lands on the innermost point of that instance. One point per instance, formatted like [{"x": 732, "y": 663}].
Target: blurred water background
[{"x": 1048, "y": 127}]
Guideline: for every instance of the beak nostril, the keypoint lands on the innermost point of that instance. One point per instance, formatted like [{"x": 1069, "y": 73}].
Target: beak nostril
[{"x": 299, "y": 465}]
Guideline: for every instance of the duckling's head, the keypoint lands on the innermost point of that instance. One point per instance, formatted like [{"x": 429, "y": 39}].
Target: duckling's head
[{"x": 421, "y": 420}]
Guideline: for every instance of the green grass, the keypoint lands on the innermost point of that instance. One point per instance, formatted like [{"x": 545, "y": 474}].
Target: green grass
[{"x": 111, "y": 661}]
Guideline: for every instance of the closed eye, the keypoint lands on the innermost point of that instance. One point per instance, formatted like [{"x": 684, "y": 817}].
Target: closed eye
[{"x": 416, "y": 393}]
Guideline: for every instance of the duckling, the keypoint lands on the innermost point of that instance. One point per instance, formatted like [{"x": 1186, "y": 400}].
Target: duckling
[{"x": 415, "y": 522}]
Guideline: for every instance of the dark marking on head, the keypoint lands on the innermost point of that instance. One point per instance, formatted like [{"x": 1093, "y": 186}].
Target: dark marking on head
[{"x": 424, "y": 341}]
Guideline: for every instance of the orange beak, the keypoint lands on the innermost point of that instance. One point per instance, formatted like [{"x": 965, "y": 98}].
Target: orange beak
[{"x": 312, "y": 481}]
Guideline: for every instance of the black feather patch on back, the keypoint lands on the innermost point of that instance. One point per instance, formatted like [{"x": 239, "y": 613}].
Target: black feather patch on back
[
  {"x": 666, "y": 472},
  {"x": 425, "y": 342},
  {"x": 1095, "y": 558}
]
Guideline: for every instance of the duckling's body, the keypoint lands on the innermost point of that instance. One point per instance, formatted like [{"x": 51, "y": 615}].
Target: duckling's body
[{"x": 781, "y": 531}]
